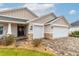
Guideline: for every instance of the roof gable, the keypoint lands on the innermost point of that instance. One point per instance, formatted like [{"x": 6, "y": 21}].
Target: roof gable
[
  {"x": 45, "y": 18},
  {"x": 59, "y": 21},
  {"x": 20, "y": 13}
]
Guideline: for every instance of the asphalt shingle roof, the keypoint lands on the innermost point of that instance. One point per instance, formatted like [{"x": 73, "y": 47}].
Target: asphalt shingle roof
[{"x": 76, "y": 23}]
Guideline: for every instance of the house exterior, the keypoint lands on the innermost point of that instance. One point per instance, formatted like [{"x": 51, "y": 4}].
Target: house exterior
[
  {"x": 23, "y": 22},
  {"x": 74, "y": 26}
]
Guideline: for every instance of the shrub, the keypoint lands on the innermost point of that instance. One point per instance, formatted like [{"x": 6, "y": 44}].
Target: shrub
[
  {"x": 74, "y": 34},
  {"x": 36, "y": 42},
  {"x": 7, "y": 40},
  {"x": 1, "y": 41}
]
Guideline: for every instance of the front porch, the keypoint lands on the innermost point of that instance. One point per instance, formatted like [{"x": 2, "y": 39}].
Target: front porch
[
  {"x": 18, "y": 30},
  {"x": 13, "y": 26}
]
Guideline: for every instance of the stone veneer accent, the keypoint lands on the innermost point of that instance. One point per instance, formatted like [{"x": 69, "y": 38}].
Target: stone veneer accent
[
  {"x": 30, "y": 36},
  {"x": 48, "y": 35}
]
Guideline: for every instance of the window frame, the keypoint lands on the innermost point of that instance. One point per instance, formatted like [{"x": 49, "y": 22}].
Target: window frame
[{"x": 1, "y": 29}]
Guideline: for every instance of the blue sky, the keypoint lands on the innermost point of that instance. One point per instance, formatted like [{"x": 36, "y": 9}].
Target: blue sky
[{"x": 69, "y": 11}]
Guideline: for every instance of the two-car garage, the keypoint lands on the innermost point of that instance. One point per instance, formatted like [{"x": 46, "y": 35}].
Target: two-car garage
[{"x": 57, "y": 32}]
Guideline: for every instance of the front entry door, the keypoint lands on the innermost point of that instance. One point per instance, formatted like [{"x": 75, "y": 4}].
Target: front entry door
[{"x": 21, "y": 30}]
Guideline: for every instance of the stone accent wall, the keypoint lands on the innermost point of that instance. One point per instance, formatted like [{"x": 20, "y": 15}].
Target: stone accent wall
[
  {"x": 48, "y": 36},
  {"x": 30, "y": 36}
]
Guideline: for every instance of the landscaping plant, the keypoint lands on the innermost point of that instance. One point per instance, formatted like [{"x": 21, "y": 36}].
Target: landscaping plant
[
  {"x": 8, "y": 40},
  {"x": 36, "y": 42},
  {"x": 75, "y": 34}
]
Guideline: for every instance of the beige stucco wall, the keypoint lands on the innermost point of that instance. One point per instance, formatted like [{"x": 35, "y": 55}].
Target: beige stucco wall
[{"x": 20, "y": 13}]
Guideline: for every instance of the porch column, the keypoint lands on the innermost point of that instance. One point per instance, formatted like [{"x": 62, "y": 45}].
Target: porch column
[{"x": 9, "y": 29}]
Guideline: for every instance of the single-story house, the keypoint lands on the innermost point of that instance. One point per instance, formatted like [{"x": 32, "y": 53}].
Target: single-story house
[
  {"x": 23, "y": 22},
  {"x": 74, "y": 26}
]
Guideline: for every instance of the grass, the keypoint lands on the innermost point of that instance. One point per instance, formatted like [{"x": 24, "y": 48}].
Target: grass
[{"x": 21, "y": 52}]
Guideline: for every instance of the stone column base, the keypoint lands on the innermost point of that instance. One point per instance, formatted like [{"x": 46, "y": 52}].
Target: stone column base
[
  {"x": 48, "y": 36},
  {"x": 30, "y": 36}
]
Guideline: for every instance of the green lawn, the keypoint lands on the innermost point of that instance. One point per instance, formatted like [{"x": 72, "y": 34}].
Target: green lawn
[{"x": 21, "y": 52}]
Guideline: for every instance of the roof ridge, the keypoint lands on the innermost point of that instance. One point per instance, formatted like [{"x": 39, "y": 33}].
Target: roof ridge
[
  {"x": 45, "y": 16},
  {"x": 11, "y": 9},
  {"x": 52, "y": 20},
  {"x": 55, "y": 18}
]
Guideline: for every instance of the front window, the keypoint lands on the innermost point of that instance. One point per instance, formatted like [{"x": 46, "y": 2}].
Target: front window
[{"x": 1, "y": 30}]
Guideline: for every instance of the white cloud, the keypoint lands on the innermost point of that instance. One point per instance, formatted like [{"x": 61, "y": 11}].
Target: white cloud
[
  {"x": 72, "y": 12},
  {"x": 39, "y": 9},
  {"x": 2, "y": 9}
]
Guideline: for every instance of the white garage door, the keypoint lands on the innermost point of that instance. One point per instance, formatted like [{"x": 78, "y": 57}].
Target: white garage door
[
  {"x": 59, "y": 32},
  {"x": 38, "y": 31}
]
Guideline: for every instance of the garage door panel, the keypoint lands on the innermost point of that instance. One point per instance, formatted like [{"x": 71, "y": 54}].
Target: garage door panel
[
  {"x": 59, "y": 32},
  {"x": 38, "y": 32}
]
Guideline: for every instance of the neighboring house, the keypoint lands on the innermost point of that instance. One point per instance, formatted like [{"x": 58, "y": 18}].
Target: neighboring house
[
  {"x": 23, "y": 22},
  {"x": 74, "y": 26}
]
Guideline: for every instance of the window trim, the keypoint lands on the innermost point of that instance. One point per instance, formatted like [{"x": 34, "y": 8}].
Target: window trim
[{"x": 2, "y": 29}]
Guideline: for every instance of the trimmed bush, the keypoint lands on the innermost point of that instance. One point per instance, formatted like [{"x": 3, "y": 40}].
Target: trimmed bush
[
  {"x": 8, "y": 40},
  {"x": 36, "y": 42},
  {"x": 75, "y": 34}
]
